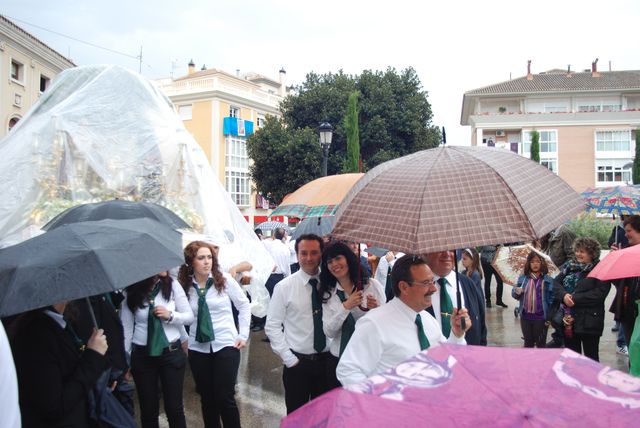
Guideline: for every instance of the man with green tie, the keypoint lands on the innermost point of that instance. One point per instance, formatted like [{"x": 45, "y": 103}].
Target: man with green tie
[
  {"x": 294, "y": 327},
  {"x": 400, "y": 329},
  {"x": 444, "y": 299}
]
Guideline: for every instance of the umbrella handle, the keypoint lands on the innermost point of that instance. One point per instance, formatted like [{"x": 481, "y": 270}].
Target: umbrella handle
[
  {"x": 463, "y": 324},
  {"x": 93, "y": 315}
]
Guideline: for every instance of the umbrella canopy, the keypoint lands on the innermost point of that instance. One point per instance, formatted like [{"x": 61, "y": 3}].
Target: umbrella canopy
[
  {"x": 318, "y": 198},
  {"x": 509, "y": 262},
  {"x": 117, "y": 209},
  {"x": 83, "y": 259},
  {"x": 320, "y": 226},
  {"x": 618, "y": 264},
  {"x": 613, "y": 200},
  {"x": 472, "y": 386},
  {"x": 455, "y": 197},
  {"x": 271, "y": 225}
]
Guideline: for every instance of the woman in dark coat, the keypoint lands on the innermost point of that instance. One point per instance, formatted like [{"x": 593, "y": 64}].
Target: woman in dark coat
[
  {"x": 583, "y": 299},
  {"x": 55, "y": 371}
]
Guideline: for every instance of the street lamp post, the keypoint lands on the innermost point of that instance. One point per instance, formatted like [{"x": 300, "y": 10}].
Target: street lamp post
[{"x": 326, "y": 133}]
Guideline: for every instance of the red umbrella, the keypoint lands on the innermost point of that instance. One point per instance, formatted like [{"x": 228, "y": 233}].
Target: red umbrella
[
  {"x": 474, "y": 386},
  {"x": 618, "y": 264}
]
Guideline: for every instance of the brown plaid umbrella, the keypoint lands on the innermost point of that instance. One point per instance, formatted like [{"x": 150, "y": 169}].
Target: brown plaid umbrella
[{"x": 455, "y": 197}]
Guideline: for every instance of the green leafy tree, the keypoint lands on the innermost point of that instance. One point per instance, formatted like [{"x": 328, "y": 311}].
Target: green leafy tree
[
  {"x": 352, "y": 161},
  {"x": 283, "y": 159},
  {"x": 535, "y": 146},
  {"x": 394, "y": 118},
  {"x": 635, "y": 171}
]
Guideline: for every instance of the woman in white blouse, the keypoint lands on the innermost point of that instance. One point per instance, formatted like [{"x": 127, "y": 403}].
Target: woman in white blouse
[
  {"x": 152, "y": 314},
  {"x": 214, "y": 339},
  {"x": 347, "y": 293}
]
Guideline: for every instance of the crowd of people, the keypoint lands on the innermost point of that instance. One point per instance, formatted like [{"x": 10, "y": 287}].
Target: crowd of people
[{"x": 333, "y": 319}]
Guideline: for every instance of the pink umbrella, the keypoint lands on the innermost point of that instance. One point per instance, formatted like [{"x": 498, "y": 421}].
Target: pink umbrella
[
  {"x": 469, "y": 386},
  {"x": 618, "y": 264}
]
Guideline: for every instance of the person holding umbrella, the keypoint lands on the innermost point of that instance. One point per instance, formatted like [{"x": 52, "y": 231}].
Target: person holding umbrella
[
  {"x": 153, "y": 312},
  {"x": 214, "y": 341},
  {"x": 401, "y": 328},
  {"x": 55, "y": 369},
  {"x": 342, "y": 288},
  {"x": 583, "y": 299},
  {"x": 442, "y": 263},
  {"x": 534, "y": 291}
]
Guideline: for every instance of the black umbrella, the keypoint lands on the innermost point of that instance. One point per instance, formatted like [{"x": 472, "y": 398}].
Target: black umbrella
[
  {"x": 84, "y": 259},
  {"x": 117, "y": 209},
  {"x": 320, "y": 226}
]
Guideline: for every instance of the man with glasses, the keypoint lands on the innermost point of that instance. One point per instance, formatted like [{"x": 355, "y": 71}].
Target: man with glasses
[{"x": 400, "y": 329}]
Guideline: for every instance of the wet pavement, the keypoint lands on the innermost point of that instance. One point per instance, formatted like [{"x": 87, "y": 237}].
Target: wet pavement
[{"x": 260, "y": 394}]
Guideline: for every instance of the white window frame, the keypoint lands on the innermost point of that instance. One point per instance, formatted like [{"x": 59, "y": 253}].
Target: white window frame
[
  {"x": 260, "y": 120},
  {"x": 605, "y": 151},
  {"x": 613, "y": 167},
  {"x": 47, "y": 82},
  {"x": 185, "y": 111},
  {"x": 236, "y": 170},
  {"x": 234, "y": 111},
  {"x": 20, "y": 78},
  {"x": 547, "y": 157}
]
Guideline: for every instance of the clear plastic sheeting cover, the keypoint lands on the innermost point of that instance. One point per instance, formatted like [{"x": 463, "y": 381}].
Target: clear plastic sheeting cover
[{"x": 104, "y": 132}]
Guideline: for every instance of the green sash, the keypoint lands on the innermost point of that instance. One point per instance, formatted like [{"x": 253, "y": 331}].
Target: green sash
[
  {"x": 204, "y": 330},
  {"x": 156, "y": 338},
  {"x": 348, "y": 326}
]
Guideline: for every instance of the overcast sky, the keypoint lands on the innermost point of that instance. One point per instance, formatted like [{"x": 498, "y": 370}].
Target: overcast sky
[{"x": 454, "y": 47}]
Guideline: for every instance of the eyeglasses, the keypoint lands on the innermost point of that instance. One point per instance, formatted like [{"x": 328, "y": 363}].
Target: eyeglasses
[{"x": 430, "y": 283}]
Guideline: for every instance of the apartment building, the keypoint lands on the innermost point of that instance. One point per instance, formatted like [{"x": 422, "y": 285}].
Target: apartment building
[
  {"x": 27, "y": 67},
  {"x": 586, "y": 120},
  {"x": 221, "y": 110}
]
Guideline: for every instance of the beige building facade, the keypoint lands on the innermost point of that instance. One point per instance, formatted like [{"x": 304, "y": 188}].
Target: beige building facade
[
  {"x": 587, "y": 121},
  {"x": 221, "y": 110},
  {"x": 27, "y": 67}
]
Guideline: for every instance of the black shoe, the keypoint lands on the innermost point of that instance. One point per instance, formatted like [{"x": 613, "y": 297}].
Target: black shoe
[
  {"x": 501, "y": 304},
  {"x": 256, "y": 328},
  {"x": 265, "y": 339},
  {"x": 615, "y": 328},
  {"x": 488, "y": 304}
]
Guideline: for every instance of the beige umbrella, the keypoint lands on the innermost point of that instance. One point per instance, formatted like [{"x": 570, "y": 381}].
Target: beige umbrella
[
  {"x": 318, "y": 198},
  {"x": 509, "y": 262},
  {"x": 455, "y": 197}
]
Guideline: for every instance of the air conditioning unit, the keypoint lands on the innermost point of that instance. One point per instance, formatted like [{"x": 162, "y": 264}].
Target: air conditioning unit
[{"x": 500, "y": 133}]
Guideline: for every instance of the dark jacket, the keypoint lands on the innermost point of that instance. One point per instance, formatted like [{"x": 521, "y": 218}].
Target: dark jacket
[
  {"x": 588, "y": 297},
  {"x": 108, "y": 320},
  {"x": 54, "y": 376},
  {"x": 618, "y": 236},
  {"x": 623, "y": 306},
  {"x": 474, "y": 301},
  {"x": 547, "y": 294}
]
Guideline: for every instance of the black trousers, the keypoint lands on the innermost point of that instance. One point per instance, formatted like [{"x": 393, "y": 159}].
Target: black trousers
[
  {"x": 169, "y": 369},
  {"x": 306, "y": 380},
  {"x": 489, "y": 271},
  {"x": 534, "y": 333},
  {"x": 586, "y": 344},
  {"x": 215, "y": 375}
]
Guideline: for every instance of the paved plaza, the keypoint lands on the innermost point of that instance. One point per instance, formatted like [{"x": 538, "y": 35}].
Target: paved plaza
[{"x": 260, "y": 394}]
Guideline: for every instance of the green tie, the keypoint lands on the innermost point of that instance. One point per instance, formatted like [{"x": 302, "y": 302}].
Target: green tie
[
  {"x": 422, "y": 338},
  {"x": 446, "y": 307},
  {"x": 156, "y": 339},
  {"x": 348, "y": 326},
  {"x": 204, "y": 330},
  {"x": 319, "y": 340}
]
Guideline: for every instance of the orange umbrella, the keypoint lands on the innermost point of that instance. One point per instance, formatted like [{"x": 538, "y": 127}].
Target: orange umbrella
[{"x": 317, "y": 198}]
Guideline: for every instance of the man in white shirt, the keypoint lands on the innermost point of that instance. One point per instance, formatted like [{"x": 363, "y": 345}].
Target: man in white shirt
[
  {"x": 297, "y": 306},
  {"x": 383, "y": 272},
  {"x": 400, "y": 329}
]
